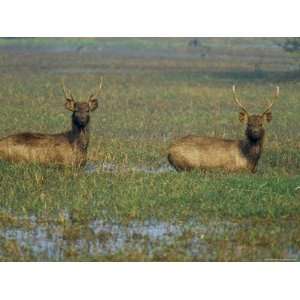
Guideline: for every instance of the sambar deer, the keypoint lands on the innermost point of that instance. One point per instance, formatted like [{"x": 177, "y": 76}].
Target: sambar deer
[
  {"x": 197, "y": 152},
  {"x": 68, "y": 148}
]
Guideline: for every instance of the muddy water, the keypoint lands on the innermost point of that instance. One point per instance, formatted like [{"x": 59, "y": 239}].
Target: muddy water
[
  {"x": 151, "y": 239},
  {"x": 92, "y": 167},
  {"x": 99, "y": 238}
]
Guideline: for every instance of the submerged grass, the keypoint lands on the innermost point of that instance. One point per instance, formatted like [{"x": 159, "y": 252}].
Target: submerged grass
[{"x": 145, "y": 104}]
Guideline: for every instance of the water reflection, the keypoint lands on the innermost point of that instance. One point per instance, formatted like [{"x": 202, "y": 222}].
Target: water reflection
[
  {"x": 50, "y": 240},
  {"x": 191, "y": 240}
]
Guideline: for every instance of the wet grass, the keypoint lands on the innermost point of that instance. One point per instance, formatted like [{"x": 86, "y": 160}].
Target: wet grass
[
  {"x": 137, "y": 195},
  {"x": 145, "y": 104}
]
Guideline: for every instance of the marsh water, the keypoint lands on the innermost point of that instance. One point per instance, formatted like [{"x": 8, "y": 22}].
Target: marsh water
[
  {"x": 92, "y": 167},
  {"x": 108, "y": 238},
  {"x": 151, "y": 239},
  {"x": 99, "y": 238}
]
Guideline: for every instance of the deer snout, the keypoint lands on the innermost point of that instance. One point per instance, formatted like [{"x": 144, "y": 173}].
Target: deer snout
[
  {"x": 255, "y": 132},
  {"x": 81, "y": 119}
]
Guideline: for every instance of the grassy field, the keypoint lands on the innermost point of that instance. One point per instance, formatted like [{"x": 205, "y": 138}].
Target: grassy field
[{"x": 138, "y": 208}]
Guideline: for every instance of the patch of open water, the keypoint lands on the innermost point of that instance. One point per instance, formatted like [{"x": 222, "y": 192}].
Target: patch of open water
[
  {"x": 92, "y": 167},
  {"x": 98, "y": 238},
  {"x": 49, "y": 242}
]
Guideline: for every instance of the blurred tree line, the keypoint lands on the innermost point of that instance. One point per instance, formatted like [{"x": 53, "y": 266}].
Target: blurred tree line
[{"x": 291, "y": 44}]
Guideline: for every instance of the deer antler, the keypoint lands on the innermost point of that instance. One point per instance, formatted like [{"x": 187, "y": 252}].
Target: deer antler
[
  {"x": 237, "y": 100},
  {"x": 66, "y": 92},
  {"x": 275, "y": 97},
  {"x": 98, "y": 90}
]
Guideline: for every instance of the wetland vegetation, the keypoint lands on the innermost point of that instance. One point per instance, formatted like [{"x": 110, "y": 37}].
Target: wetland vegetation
[{"x": 127, "y": 203}]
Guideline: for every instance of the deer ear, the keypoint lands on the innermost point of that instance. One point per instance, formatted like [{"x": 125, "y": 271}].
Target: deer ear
[
  {"x": 267, "y": 116},
  {"x": 93, "y": 104},
  {"x": 70, "y": 104},
  {"x": 243, "y": 117}
]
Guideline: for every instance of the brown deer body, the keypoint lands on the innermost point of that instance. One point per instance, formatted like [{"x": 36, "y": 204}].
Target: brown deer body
[
  {"x": 68, "y": 148},
  {"x": 196, "y": 152}
]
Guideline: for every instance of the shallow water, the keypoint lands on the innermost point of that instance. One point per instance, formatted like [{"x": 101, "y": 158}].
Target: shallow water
[
  {"x": 92, "y": 167},
  {"x": 151, "y": 238},
  {"x": 49, "y": 241},
  {"x": 99, "y": 238}
]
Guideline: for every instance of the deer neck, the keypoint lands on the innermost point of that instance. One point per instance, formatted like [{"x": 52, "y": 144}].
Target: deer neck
[
  {"x": 252, "y": 150},
  {"x": 79, "y": 136}
]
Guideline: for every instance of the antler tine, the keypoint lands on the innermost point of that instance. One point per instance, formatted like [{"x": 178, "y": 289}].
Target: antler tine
[
  {"x": 275, "y": 97},
  {"x": 101, "y": 81},
  {"x": 277, "y": 92},
  {"x": 100, "y": 86},
  {"x": 66, "y": 92},
  {"x": 64, "y": 88},
  {"x": 99, "y": 89},
  {"x": 237, "y": 100}
]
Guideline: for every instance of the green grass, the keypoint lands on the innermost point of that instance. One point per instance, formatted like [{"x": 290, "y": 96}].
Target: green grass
[
  {"x": 145, "y": 104},
  {"x": 48, "y": 192}
]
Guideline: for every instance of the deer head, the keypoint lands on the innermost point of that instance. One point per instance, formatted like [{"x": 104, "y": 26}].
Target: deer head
[
  {"x": 81, "y": 110},
  {"x": 255, "y": 123}
]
